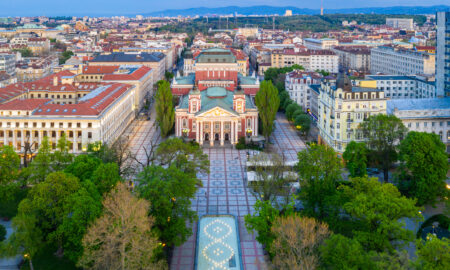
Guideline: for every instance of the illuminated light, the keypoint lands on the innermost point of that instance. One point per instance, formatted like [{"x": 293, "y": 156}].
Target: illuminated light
[{"x": 218, "y": 241}]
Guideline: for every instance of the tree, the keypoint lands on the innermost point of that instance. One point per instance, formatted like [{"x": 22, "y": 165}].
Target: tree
[
  {"x": 121, "y": 237},
  {"x": 304, "y": 121},
  {"x": 40, "y": 167},
  {"x": 297, "y": 113},
  {"x": 377, "y": 209},
  {"x": 83, "y": 167},
  {"x": 340, "y": 252},
  {"x": 355, "y": 156},
  {"x": 25, "y": 52},
  {"x": 272, "y": 178},
  {"x": 383, "y": 134},
  {"x": 319, "y": 170},
  {"x": 165, "y": 113},
  {"x": 80, "y": 210},
  {"x": 296, "y": 243},
  {"x": 187, "y": 157},
  {"x": 290, "y": 109},
  {"x": 424, "y": 166},
  {"x": 284, "y": 95},
  {"x": 61, "y": 158},
  {"x": 118, "y": 152},
  {"x": 168, "y": 75},
  {"x": 105, "y": 177},
  {"x": 267, "y": 101},
  {"x": 26, "y": 238},
  {"x": 9, "y": 170},
  {"x": 433, "y": 254},
  {"x": 170, "y": 192},
  {"x": 262, "y": 220}
]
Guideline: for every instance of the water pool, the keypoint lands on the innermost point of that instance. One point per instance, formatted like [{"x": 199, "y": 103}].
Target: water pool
[{"x": 218, "y": 243}]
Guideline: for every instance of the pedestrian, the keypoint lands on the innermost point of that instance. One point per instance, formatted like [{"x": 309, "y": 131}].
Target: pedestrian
[{"x": 206, "y": 194}]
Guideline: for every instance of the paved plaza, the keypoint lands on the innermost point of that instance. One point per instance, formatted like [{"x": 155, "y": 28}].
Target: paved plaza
[{"x": 224, "y": 190}]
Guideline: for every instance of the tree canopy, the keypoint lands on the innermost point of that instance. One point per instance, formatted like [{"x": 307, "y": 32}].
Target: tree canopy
[
  {"x": 355, "y": 156},
  {"x": 267, "y": 101},
  {"x": 424, "y": 166},
  {"x": 165, "y": 112},
  {"x": 383, "y": 134},
  {"x": 170, "y": 192}
]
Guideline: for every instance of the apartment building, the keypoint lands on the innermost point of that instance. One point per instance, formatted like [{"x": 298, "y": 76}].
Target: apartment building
[
  {"x": 399, "y": 61},
  {"x": 404, "y": 87},
  {"x": 342, "y": 108},
  {"x": 353, "y": 57},
  {"x": 311, "y": 60},
  {"x": 297, "y": 84},
  {"x": 400, "y": 23},
  {"x": 8, "y": 63}
]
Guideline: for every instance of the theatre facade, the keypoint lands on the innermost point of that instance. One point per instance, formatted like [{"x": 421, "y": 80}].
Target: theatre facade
[{"x": 216, "y": 102}]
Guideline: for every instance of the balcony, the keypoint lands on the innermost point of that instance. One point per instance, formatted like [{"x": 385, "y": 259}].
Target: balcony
[{"x": 349, "y": 120}]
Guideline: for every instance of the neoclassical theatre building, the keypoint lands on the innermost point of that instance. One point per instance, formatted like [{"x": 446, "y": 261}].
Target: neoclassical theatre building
[{"x": 216, "y": 102}]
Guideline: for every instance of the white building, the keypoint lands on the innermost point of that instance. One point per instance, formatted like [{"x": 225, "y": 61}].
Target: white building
[
  {"x": 399, "y": 61},
  {"x": 404, "y": 87},
  {"x": 320, "y": 44},
  {"x": 400, "y": 23},
  {"x": 8, "y": 63},
  {"x": 297, "y": 84},
  {"x": 311, "y": 60},
  {"x": 424, "y": 115},
  {"x": 102, "y": 115}
]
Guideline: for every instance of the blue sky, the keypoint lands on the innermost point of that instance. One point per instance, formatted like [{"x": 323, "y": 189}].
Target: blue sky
[{"x": 77, "y": 7}]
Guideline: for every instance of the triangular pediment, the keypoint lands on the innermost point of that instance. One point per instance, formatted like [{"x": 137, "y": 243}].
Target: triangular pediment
[{"x": 217, "y": 112}]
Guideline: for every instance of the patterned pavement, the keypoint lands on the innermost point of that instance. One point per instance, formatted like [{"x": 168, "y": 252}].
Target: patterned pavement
[{"x": 224, "y": 191}]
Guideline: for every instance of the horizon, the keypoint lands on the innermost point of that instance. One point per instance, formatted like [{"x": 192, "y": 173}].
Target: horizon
[{"x": 107, "y": 8}]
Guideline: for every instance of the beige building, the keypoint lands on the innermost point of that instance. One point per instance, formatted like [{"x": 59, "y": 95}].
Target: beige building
[
  {"x": 102, "y": 115},
  {"x": 311, "y": 60},
  {"x": 342, "y": 108}
]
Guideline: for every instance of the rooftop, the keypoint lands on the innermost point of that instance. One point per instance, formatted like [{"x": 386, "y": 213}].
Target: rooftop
[
  {"x": 418, "y": 104},
  {"x": 129, "y": 57}
]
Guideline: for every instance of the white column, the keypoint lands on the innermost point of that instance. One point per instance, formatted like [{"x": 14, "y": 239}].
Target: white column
[
  {"x": 221, "y": 133},
  {"x": 236, "y": 134},
  {"x": 256, "y": 126},
  {"x": 211, "y": 135},
  {"x": 201, "y": 133},
  {"x": 197, "y": 131},
  {"x": 232, "y": 132}
]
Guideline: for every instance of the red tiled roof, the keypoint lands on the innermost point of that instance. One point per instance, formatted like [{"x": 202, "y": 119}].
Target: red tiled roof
[
  {"x": 100, "y": 69},
  {"x": 23, "y": 104},
  {"x": 11, "y": 91},
  {"x": 93, "y": 106},
  {"x": 136, "y": 75}
]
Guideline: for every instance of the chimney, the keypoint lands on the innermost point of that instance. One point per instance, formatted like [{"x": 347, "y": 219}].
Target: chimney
[{"x": 55, "y": 81}]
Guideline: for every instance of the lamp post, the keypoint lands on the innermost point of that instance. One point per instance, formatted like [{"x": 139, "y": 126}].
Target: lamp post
[
  {"x": 185, "y": 132},
  {"x": 249, "y": 132}
]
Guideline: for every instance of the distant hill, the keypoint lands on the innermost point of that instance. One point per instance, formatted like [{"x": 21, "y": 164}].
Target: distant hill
[{"x": 271, "y": 10}]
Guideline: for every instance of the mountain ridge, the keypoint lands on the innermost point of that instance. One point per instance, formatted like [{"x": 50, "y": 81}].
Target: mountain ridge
[{"x": 272, "y": 10}]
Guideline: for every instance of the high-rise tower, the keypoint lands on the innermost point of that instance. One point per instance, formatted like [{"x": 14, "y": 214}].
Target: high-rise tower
[
  {"x": 321, "y": 8},
  {"x": 443, "y": 54}
]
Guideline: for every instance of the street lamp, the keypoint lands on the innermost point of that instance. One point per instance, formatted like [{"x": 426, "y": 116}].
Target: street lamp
[
  {"x": 249, "y": 132},
  {"x": 185, "y": 132}
]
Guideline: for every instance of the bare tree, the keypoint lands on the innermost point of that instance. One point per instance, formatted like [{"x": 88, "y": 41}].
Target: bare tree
[
  {"x": 150, "y": 155},
  {"x": 272, "y": 177},
  {"x": 121, "y": 238},
  {"x": 28, "y": 150},
  {"x": 296, "y": 242}
]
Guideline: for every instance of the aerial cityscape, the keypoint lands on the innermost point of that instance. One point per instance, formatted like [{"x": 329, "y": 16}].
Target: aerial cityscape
[{"x": 212, "y": 135}]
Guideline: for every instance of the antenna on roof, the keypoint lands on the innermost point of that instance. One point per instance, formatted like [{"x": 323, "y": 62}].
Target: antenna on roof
[{"x": 321, "y": 7}]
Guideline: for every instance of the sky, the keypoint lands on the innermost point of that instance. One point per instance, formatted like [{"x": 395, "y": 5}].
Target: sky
[{"x": 132, "y": 7}]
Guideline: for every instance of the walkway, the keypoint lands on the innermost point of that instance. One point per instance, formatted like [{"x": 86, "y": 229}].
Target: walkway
[{"x": 224, "y": 192}]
